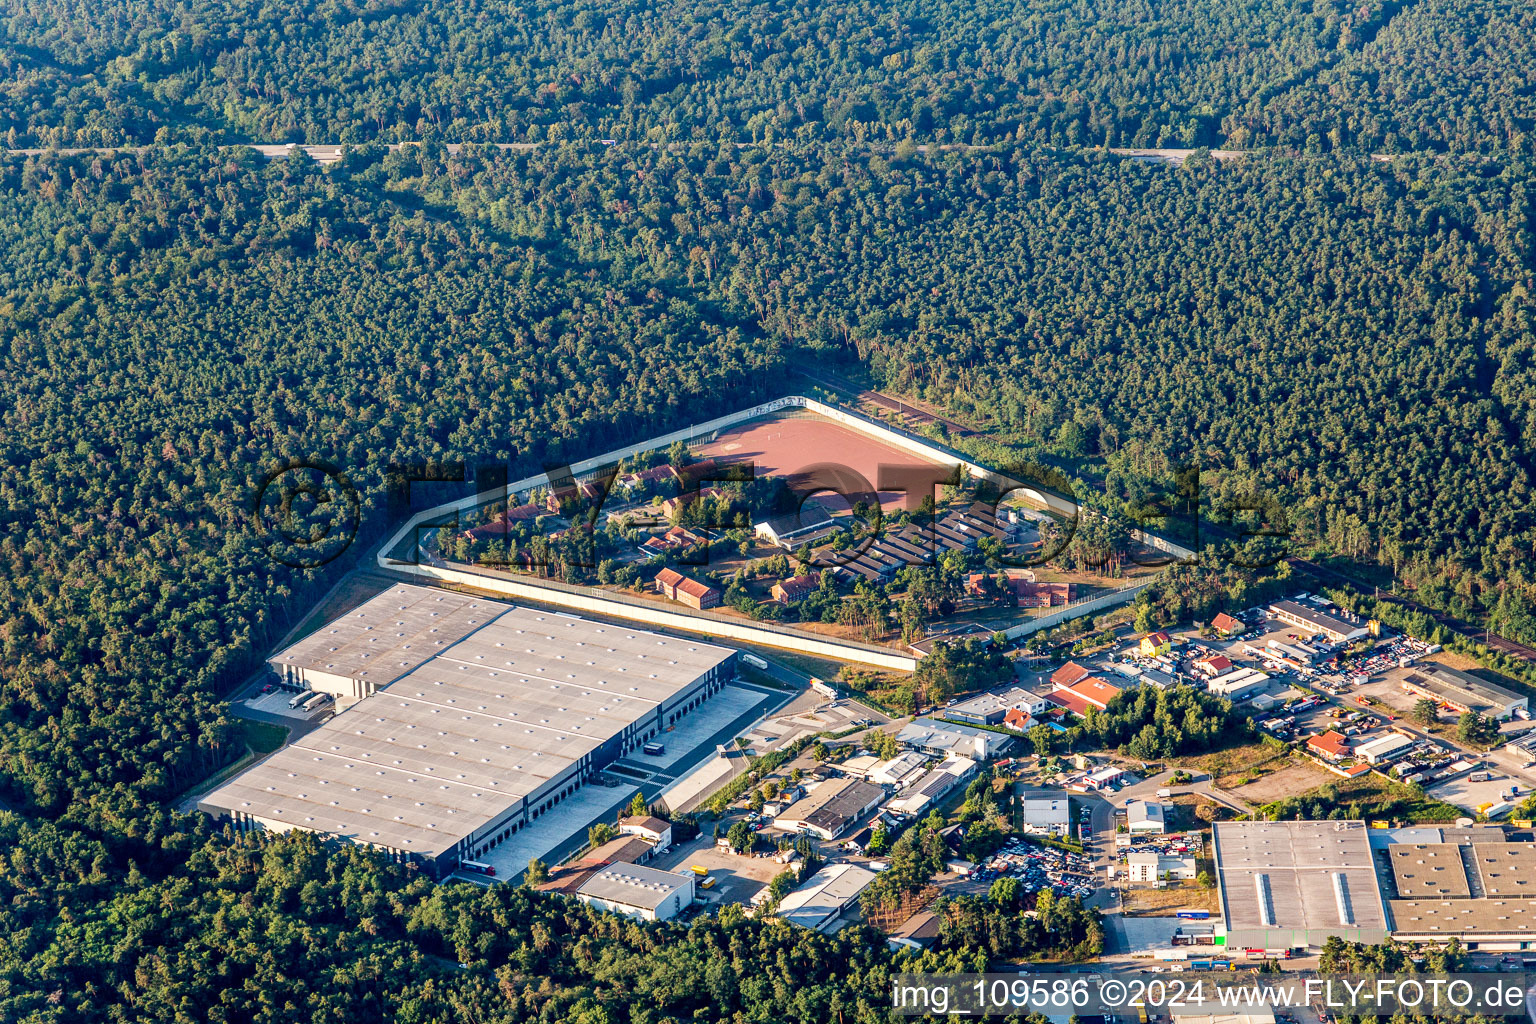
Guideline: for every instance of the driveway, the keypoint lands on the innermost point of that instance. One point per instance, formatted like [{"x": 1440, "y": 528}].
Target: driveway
[{"x": 1201, "y": 786}]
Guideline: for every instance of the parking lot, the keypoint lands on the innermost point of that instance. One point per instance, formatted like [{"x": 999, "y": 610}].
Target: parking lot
[
  {"x": 1038, "y": 868},
  {"x": 737, "y": 878},
  {"x": 1463, "y": 792}
]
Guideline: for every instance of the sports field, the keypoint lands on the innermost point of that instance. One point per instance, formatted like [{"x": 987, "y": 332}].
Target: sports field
[{"x": 825, "y": 458}]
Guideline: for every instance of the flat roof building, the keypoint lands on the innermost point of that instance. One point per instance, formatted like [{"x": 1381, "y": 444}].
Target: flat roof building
[
  {"x": 1471, "y": 884},
  {"x": 1294, "y": 884},
  {"x": 1151, "y": 866},
  {"x": 821, "y": 900},
  {"x": 1142, "y": 816},
  {"x": 1045, "y": 807},
  {"x": 946, "y": 737},
  {"x": 637, "y": 891},
  {"x": 476, "y": 717},
  {"x": 1337, "y": 628},
  {"x": 992, "y": 708}
]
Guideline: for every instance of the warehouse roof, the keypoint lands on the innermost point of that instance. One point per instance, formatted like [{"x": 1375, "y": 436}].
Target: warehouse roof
[
  {"x": 1444, "y": 681},
  {"x": 634, "y": 885},
  {"x": 436, "y": 754},
  {"x": 987, "y": 704},
  {"x": 387, "y": 636},
  {"x": 1297, "y": 875},
  {"x": 1428, "y": 870},
  {"x": 1331, "y": 625},
  {"x": 833, "y": 806},
  {"x": 1141, "y": 811},
  {"x": 825, "y": 895},
  {"x": 1505, "y": 869},
  {"x": 1382, "y": 745},
  {"x": 1464, "y": 917}
]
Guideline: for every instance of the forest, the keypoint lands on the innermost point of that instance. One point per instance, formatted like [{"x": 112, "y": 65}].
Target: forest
[
  {"x": 1333, "y": 325},
  {"x": 1318, "y": 76}
]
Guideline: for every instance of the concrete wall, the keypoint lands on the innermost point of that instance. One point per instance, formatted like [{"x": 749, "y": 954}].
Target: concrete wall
[
  {"x": 1076, "y": 610},
  {"x": 602, "y": 603}
]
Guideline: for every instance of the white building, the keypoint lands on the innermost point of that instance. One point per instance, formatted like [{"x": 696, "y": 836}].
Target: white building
[
  {"x": 821, "y": 900},
  {"x": 1384, "y": 748},
  {"x": 1151, "y": 866},
  {"x": 636, "y": 891},
  {"x": 1238, "y": 684},
  {"x": 1046, "y": 808},
  {"x": 899, "y": 770},
  {"x": 934, "y": 785},
  {"x": 471, "y": 719},
  {"x": 947, "y": 738},
  {"x": 649, "y": 827},
  {"x": 1099, "y": 778},
  {"x": 1142, "y": 816}
]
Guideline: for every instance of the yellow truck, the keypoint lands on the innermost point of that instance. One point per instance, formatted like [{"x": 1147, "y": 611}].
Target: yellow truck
[{"x": 702, "y": 872}]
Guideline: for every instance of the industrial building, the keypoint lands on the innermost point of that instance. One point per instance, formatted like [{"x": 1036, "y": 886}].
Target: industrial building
[
  {"x": 1045, "y": 808},
  {"x": 831, "y": 808},
  {"x": 1462, "y": 691},
  {"x": 1144, "y": 817},
  {"x": 1151, "y": 866},
  {"x": 945, "y": 738},
  {"x": 639, "y": 892},
  {"x": 649, "y": 827},
  {"x": 1383, "y": 749},
  {"x": 474, "y": 718},
  {"x": 896, "y": 771},
  {"x": 1338, "y": 628},
  {"x": 992, "y": 708},
  {"x": 821, "y": 901},
  {"x": 1471, "y": 885},
  {"x": 1238, "y": 684},
  {"x": 1468, "y": 883},
  {"x": 933, "y": 786},
  {"x": 1294, "y": 884}
]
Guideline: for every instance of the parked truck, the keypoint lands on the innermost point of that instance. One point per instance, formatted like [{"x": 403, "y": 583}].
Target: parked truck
[{"x": 754, "y": 661}]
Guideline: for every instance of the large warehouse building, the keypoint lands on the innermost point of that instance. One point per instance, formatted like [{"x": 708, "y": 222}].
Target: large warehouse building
[
  {"x": 1294, "y": 884},
  {"x": 475, "y": 717}
]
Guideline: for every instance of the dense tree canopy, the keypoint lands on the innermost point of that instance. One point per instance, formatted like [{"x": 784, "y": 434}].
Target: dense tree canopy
[{"x": 1313, "y": 74}]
